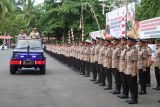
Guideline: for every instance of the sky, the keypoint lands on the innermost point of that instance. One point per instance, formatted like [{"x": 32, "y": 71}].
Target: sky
[{"x": 39, "y": 1}]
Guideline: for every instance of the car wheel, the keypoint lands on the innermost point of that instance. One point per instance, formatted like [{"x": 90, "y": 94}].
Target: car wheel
[
  {"x": 43, "y": 69},
  {"x": 13, "y": 69}
]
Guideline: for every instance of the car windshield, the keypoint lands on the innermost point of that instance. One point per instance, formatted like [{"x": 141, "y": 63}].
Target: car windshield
[{"x": 22, "y": 44}]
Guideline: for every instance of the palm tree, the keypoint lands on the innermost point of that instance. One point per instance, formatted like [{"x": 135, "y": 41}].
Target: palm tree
[
  {"x": 26, "y": 9},
  {"x": 5, "y": 7}
]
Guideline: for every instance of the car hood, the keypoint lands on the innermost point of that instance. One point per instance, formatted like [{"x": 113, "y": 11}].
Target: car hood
[{"x": 30, "y": 50}]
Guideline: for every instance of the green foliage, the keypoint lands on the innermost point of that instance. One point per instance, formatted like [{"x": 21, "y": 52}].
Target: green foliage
[
  {"x": 6, "y": 6},
  {"x": 59, "y": 18},
  {"x": 11, "y": 24},
  {"x": 148, "y": 9}
]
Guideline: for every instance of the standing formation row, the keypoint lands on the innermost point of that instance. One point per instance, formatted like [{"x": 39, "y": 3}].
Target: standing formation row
[{"x": 125, "y": 62}]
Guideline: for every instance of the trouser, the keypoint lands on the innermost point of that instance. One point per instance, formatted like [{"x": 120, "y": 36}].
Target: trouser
[
  {"x": 96, "y": 70},
  {"x": 93, "y": 70},
  {"x": 104, "y": 76},
  {"x": 148, "y": 80},
  {"x": 74, "y": 63},
  {"x": 125, "y": 85},
  {"x": 83, "y": 67},
  {"x": 142, "y": 79},
  {"x": 133, "y": 86},
  {"x": 109, "y": 76},
  {"x": 114, "y": 73},
  {"x": 100, "y": 73},
  {"x": 117, "y": 79},
  {"x": 157, "y": 75},
  {"x": 87, "y": 68},
  {"x": 77, "y": 64}
]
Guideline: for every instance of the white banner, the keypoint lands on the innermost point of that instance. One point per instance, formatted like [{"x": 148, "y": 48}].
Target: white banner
[
  {"x": 115, "y": 20},
  {"x": 97, "y": 34},
  {"x": 149, "y": 28}
]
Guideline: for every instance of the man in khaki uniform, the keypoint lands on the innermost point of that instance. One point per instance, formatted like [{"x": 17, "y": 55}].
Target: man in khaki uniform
[
  {"x": 96, "y": 56},
  {"x": 101, "y": 72},
  {"x": 82, "y": 57},
  {"x": 142, "y": 65},
  {"x": 107, "y": 63},
  {"x": 122, "y": 68},
  {"x": 115, "y": 65},
  {"x": 92, "y": 60},
  {"x": 149, "y": 62},
  {"x": 87, "y": 59},
  {"x": 157, "y": 65},
  {"x": 131, "y": 70},
  {"x": 34, "y": 34},
  {"x": 22, "y": 34}
]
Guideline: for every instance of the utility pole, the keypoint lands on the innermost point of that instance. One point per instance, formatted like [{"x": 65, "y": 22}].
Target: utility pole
[
  {"x": 126, "y": 2},
  {"x": 103, "y": 6},
  {"x": 82, "y": 21}
]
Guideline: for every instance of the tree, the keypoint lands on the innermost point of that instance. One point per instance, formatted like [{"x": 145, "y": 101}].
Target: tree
[
  {"x": 59, "y": 18},
  {"x": 5, "y": 7},
  {"x": 148, "y": 9}
]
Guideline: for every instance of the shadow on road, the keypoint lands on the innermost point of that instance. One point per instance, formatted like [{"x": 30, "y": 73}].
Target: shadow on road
[{"x": 28, "y": 72}]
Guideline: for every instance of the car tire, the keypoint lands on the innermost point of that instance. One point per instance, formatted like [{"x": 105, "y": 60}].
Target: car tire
[
  {"x": 13, "y": 70},
  {"x": 43, "y": 69}
]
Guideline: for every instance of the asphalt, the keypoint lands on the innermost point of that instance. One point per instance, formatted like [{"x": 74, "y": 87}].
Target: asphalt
[{"x": 60, "y": 87}]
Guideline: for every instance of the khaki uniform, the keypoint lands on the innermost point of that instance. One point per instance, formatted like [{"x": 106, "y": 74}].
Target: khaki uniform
[
  {"x": 92, "y": 61},
  {"x": 131, "y": 59},
  {"x": 157, "y": 67},
  {"x": 115, "y": 57},
  {"x": 115, "y": 67},
  {"x": 131, "y": 55},
  {"x": 157, "y": 58},
  {"x": 87, "y": 61},
  {"x": 22, "y": 36},
  {"x": 34, "y": 35},
  {"x": 108, "y": 55},
  {"x": 101, "y": 55},
  {"x": 123, "y": 63},
  {"x": 142, "y": 54},
  {"x": 96, "y": 56},
  {"x": 87, "y": 54},
  {"x": 92, "y": 54},
  {"x": 97, "y": 67},
  {"x": 82, "y": 58},
  {"x": 142, "y": 57},
  {"x": 149, "y": 62},
  {"x": 149, "y": 50}
]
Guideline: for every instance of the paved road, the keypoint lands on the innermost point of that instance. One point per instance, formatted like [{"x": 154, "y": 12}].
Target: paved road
[{"x": 60, "y": 87}]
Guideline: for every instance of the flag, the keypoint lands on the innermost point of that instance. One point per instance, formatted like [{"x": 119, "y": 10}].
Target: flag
[
  {"x": 69, "y": 37},
  {"x": 82, "y": 35},
  {"x": 72, "y": 35}
]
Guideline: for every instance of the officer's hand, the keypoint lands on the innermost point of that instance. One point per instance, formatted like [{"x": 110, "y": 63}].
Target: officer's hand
[
  {"x": 144, "y": 69},
  {"x": 134, "y": 74}
]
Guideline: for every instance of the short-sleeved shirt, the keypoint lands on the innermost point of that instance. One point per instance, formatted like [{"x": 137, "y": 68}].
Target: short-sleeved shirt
[
  {"x": 115, "y": 57},
  {"x": 92, "y": 54},
  {"x": 97, "y": 49},
  {"x": 142, "y": 55},
  {"x": 101, "y": 55},
  {"x": 34, "y": 35},
  {"x": 131, "y": 56},
  {"x": 22, "y": 36},
  {"x": 108, "y": 54},
  {"x": 157, "y": 58},
  {"x": 122, "y": 62},
  {"x": 87, "y": 54},
  {"x": 149, "y": 56}
]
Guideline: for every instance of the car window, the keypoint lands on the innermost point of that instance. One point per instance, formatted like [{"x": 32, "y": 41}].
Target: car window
[{"x": 30, "y": 43}]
